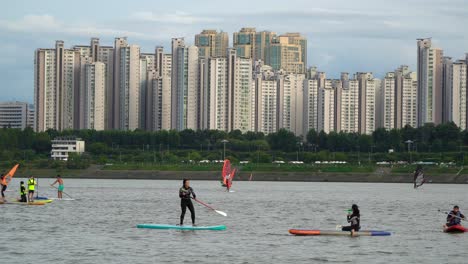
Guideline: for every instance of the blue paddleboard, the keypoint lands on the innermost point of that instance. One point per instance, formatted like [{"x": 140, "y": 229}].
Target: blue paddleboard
[{"x": 158, "y": 226}]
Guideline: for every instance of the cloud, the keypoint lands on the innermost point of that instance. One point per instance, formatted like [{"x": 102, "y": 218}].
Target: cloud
[
  {"x": 47, "y": 24},
  {"x": 177, "y": 17}
]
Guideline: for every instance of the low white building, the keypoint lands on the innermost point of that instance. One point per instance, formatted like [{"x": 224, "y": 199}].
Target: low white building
[{"x": 62, "y": 147}]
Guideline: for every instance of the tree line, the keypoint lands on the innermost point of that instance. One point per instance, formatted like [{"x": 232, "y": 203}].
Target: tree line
[{"x": 16, "y": 144}]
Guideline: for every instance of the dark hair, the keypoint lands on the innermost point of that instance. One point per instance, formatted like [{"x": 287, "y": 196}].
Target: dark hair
[
  {"x": 456, "y": 207},
  {"x": 184, "y": 181},
  {"x": 58, "y": 176},
  {"x": 22, "y": 182},
  {"x": 419, "y": 167},
  {"x": 355, "y": 209}
]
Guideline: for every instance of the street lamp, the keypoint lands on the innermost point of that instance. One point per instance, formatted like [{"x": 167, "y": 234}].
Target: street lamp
[
  {"x": 224, "y": 141},
  {"x": 409, "y": 142}
]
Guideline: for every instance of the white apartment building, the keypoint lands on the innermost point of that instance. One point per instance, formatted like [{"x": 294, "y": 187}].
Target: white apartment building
[
  {"x": 62, "y": 147},
  {"x": 185, "y": 86},
  {"x": 147, "y": 64},
  {"x": 326, "y": 107},
  {"x": 367, "y": 86},
  {"x": 455, "y": 92},
  {"x": 349, "y": 104},
  {"x": 429, "y": 83},
  {"x": 94, "y": 97},
  {"x": 388, "y": 101},
  {"x": 311, "y": 95},
  {"x": 16, "y": 115},
  {"x": 291, "y": 110},
  {"x": 265, "y": 105}
]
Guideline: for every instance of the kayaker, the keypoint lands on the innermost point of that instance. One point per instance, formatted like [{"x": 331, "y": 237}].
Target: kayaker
[
  {"x": 60, "y": 188},
  {"x": 417, "y": 174},
  {"x": 454, "y": 217},
  {"x": 23, "y": 192},
  {"x": 186, "y": 193},
  {"x": 4, "y": 184},
  {"x": 31, "y": 187},
  {"x": 353, "y": 218}
]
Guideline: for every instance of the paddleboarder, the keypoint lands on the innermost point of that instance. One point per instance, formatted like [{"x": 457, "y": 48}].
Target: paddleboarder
[
  {"x": 454, "y": 217},
  {"x": 354, "y": 218},
  {"x": 31, "y": 187},
  {"x": 4, "y": 184},
  {"x": 186, "y": 194},
  {"x": 60, "y": 188},
  {"x": 23, "y": 192}
]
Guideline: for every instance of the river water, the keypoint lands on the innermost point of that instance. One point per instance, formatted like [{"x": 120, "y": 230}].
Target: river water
[{"x": 99, "y": 227}]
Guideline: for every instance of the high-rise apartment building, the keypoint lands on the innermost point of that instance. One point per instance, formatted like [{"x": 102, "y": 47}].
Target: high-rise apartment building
[
  {"x": 185, "y": 85},
  {"x": 211, "y": 43},
  {"x": 263, "y": 40},
  {"x": 94, "y": 96},
  {"x": 367, "y": 86},
  {"x": 147, "y": 64},
  {"x": 455, "y": 92},
  {"x": 16, "y": 115},
  {"x": 55, "y": 85},
  {"x": 290, "y": 102},
  {"x": 265, "y": 106},
  {"x": 326, "y": 107},
  {"x": 244, "y": 43},
  {"x": 286, "y": 53},
  {"x": 349, "y": 104},
  {"x": 429, "y": 83}
]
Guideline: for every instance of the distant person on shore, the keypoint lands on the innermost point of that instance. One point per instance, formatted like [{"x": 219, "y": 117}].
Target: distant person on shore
[
  {"x": 60, "y": 188},
  {"x": 186, "y": 193},
  {"x": 454, "y": 217},
  {"x": 4, "y": 184},
  {"x": 418, "y": 177},
  {"x": 354, "y": 218},
  {"x": 31, "y": 187},
  {"x": 23, "y": 199}
]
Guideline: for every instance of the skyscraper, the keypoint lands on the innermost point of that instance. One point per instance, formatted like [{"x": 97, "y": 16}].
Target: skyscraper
[
  {"x": 244, "y": 43},
  {"x": 455, "y": 92},
  {"x": 429, "y": 83},
  {"x": 147, "y": 64},
  {"x": 286, "y": 53},
  {"x": 94, "y": 97},
  {"x": 367, "y": 85},
  {"x": 263, "y": 40},
  {"x": 349, "y": 104},
  {"x": 326, "y": 107},
  {"x": 210, "y": 43},
  {"x": 265, "y": 107},
  {"x": 55, "y": 84},
  {"x": 290, "y": 102},
  {"x": 185, "y": 85}
]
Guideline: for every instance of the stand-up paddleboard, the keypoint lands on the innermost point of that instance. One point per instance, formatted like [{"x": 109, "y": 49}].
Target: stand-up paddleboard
[
  {"x": 177, "y": 227},
  {"x": 456, "y": 229},
  {"x": 61, "y": 199},
  {"x": 306, "y": 232},
  {"x": 21, "y": 203}
]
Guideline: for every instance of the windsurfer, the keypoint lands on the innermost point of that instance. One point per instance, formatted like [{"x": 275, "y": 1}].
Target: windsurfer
[
  {"x": 4, "y": 184},
  {"x": 418, "y": 178}
]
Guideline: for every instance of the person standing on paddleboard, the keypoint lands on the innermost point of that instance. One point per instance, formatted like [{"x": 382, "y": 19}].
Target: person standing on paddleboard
[
  {"x": 454, "y": 217},
  {"x": 354, "y": 218},
  {"x": 31, "y": 187},
  {"x": 186, "y": 193},
  {"x": 60, "y": 188},
  {"x": 4, "y": 184},
  {"x": 23, "y": 193}
]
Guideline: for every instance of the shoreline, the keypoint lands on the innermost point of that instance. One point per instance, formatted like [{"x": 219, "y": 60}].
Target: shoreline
[{"x": 375, "y": 177}]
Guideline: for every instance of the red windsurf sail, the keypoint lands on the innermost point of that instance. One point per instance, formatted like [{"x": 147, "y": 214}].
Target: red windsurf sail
[
  {"x": 226, "y": 171},
  {"x": 10, "y": 174}
]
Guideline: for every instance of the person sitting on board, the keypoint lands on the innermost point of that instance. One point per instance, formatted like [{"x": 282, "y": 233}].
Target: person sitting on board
[
  {"x": 418, "y": 173},
  {"x": 31, "y": 187},
  {"x": 4, "y": 184},
  {"x": 186, "y": 193},
  {"x": 23, "y": 193},
  {"x": 454, "y": 217},
  {"x": 354, "y": 220},
  {"x": 60, "y": 188}
]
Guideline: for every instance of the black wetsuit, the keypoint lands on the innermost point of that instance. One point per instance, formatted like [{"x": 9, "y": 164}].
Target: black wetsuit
[
  {"x": 454, "y": 218},
  {"x": 355, "y": 222},
  {"x": 4, "y": 187},
  {"x": 23, "y": 194},
  {"x": 186, "y": 201}
]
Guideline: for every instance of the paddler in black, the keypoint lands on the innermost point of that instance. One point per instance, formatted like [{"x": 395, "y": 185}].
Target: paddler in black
[
  {"x": 186, "y": 193},
  {"x": 454, "y": 217},
  {"x": 23, "y": 192},
  {"x": 354, "y": 219}
]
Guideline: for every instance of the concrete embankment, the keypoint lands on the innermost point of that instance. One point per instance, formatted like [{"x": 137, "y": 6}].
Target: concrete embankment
[{"x": 377, "y": 176}]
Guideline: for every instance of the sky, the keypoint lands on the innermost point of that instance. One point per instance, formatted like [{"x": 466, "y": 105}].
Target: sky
[{"x": 343, "y": 35}]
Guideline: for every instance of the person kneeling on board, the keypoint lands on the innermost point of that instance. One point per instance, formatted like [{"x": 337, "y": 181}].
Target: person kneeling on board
[
  {"x": 354, "y": 220},
  {"x": 23, "y": 193},
  {"x": 454, "y": 217},
  {"x": 186, "y": 193}
]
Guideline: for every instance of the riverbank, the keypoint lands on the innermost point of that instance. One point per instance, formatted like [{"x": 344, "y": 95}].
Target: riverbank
[{"x": 381, "y": 175}]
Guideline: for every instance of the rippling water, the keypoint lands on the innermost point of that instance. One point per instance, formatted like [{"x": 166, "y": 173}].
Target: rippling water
[{"x": 99, "y": 227}]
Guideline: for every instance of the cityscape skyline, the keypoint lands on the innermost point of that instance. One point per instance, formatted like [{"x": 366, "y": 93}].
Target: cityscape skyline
[{"x": 378, "y": 37}]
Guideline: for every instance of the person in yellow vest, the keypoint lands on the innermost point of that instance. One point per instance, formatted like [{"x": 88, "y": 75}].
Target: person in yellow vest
[
  {"x": 31, "y": 187},
  {"x": 23, "y": 193}
]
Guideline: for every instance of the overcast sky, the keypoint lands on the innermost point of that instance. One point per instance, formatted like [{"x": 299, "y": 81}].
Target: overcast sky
[{"x": 343, "y": 35}]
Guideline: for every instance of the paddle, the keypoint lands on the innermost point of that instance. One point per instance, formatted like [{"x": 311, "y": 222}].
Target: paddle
[
  {"x": 447, "y": 213},
  {"x": 62, "y": 192},
  {"x": 207, "y": 206}
]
